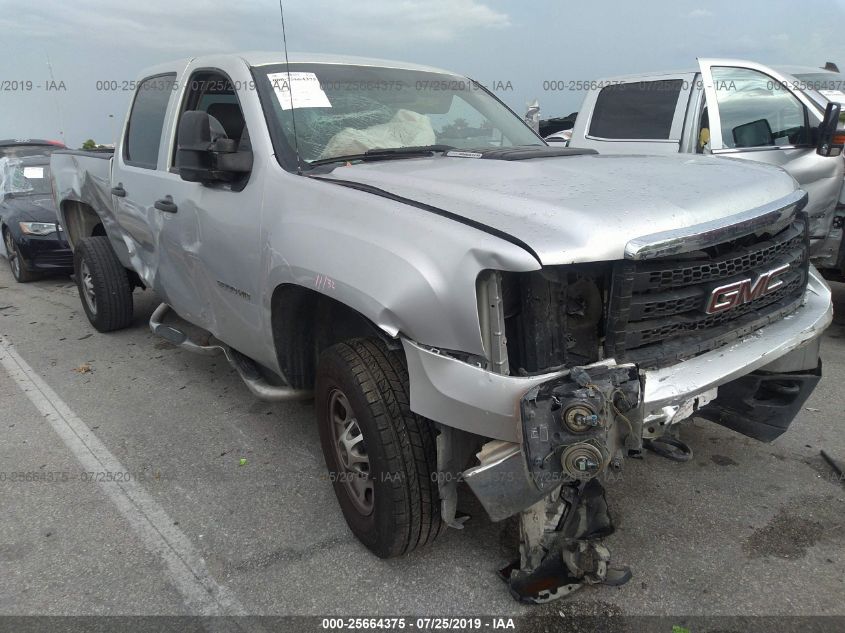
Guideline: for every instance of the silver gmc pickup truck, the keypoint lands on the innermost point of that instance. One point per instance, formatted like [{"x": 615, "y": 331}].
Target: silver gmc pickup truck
[{"x": 464, "y": 303}]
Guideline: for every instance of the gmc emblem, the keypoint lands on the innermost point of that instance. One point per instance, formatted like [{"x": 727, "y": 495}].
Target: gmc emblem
[{"x": 740, "y": 292}]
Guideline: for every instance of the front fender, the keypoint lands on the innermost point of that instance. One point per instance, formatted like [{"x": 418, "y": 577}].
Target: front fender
[{"x": 405, "y": 269}]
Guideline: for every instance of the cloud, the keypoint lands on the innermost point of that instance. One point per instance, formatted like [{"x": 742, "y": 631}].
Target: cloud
[
  {"x": 198, "y": 26},
  {"x": 700, "y": 13},
  {"x": 183, "y": 27},
  {"x": 393, "y": 22}
]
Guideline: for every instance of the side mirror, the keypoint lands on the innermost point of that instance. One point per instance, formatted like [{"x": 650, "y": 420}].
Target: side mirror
[
  {"x": 755, "y": 134},
  {"x": 204, "y": 153},
  {"x": 831, "y": 140}
]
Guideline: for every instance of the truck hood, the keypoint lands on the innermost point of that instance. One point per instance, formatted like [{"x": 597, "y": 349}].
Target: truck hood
[{"x": 582, "y": 208}]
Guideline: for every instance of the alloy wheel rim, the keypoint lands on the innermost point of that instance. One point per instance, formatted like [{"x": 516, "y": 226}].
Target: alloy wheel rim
[
  {"x": 351, "y": 451},
  {"x": 12, "y": 254},
  {"x": 88, "y": 288}
]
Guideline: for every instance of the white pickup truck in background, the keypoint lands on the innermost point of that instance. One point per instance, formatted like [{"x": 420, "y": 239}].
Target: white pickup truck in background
[{"x": 737, "y": 109}]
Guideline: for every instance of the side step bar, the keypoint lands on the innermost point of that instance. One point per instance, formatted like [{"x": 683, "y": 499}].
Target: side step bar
[{"x": 246, "y": 367}]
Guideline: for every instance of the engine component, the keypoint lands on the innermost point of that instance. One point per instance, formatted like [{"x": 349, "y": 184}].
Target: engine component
[
  {"x": 553, "y": 316},
  {"x": 559, "y": 547}
]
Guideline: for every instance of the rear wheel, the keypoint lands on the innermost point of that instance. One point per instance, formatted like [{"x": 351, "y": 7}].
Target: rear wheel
[
  {"x": 103, "y": 284},
  {"x": 19, "y": 272},
  {"x": 381, "y": 457}
]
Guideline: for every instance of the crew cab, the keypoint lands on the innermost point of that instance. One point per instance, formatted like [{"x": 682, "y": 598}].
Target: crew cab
[
  {"x": 462, "y": 301},
  {"x": 737, "y": 109}
]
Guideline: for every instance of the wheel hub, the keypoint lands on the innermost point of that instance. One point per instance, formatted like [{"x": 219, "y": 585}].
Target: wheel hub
[
  {"x": 351, "y": 452},
  {"x": 88, "y": 288},
  {"x": 12, "y": 255}
]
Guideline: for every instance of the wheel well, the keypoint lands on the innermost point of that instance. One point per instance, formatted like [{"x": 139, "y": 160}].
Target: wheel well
[
  {"x": 305, "y": 323},
  {"x": 81, "y": 221}
]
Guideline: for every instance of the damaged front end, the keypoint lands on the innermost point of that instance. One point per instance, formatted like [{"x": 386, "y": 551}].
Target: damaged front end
[
  {"x": 576, "y": 427},
  {"x": 586, "y": 363}
]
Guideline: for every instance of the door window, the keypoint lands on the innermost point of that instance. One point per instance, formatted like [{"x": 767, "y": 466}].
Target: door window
[
  {"x": 757, "y": 111},
  {"x": 147, "y": 121},
  {"x": 639, "y": 110},
  {"x": 213, "y": 93}
]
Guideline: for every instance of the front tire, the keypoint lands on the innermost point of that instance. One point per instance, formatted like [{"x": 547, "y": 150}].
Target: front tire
[
  {"x": 19, "y": 271},
  {"x": 381, "y": 457},
  {"x": 103, "y": 284}
]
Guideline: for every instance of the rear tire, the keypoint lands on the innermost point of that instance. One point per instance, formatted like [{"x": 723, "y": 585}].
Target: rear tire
[
  {"x": 103, "y": 284},
  {"x": 362, "y": 404},
  {"x": 16, "y": 263}
]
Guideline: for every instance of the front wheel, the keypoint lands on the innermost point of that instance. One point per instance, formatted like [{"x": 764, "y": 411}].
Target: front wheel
[
  {"x": 103, "y": 284},
  {"x": 381, "y": 457},
  {"x": 13, "y": 254}
]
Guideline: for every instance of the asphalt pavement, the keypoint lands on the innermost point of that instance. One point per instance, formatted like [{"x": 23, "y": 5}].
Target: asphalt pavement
[{"x": 223, "y": 506}]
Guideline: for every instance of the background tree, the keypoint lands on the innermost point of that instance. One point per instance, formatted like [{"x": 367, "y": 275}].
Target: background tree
[{"x": 89, "y": 144}]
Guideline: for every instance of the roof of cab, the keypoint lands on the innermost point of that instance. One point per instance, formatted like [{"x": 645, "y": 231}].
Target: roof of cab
[
  {"x": 789, "y": 70},
  {"x": 803, "y": 70},
  {"x": 269, "y": 58}
]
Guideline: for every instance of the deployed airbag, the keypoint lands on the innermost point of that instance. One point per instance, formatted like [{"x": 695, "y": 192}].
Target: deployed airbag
[{"x": 405, "y": 129}]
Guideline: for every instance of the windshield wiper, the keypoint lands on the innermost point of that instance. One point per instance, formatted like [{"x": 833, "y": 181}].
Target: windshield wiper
[{"x": 386, "y": 153}]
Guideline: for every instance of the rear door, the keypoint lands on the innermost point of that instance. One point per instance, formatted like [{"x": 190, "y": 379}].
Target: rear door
[
  {"x": 634, "y": 114},
  {"x": 752, "y": 113},
  {"x": 138, "y": 170}
]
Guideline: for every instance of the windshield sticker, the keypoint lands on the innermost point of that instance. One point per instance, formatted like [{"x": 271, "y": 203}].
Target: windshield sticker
[
  {"x": 306, "y": 93},
  {"x": 33, "y": 173},
  {"x": 464, "y": 154}
]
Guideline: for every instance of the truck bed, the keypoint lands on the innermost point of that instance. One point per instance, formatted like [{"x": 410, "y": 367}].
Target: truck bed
[{"x": 84, "y": 177}]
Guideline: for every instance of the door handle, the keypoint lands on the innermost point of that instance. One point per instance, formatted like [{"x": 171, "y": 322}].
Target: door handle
[
  {"x": 166, "y": 204},
  {"x": 118, "y": 191}
]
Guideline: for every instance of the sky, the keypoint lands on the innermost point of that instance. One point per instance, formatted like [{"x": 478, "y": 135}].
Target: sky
[{"x": 514, "y": 46}]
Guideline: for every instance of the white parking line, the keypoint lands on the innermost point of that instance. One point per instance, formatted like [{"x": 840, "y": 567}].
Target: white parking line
[{"x": 187, "y": 570}]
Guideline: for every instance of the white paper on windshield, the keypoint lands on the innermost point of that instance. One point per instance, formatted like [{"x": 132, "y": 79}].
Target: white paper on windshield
[
  {"x": 837, "y": 96},
  {"x": 33, "y": 173},
  {"x": 306, "y": 92}
]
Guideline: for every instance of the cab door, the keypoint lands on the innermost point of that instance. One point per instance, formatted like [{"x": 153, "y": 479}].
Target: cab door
[
  {"x": 752, "y": 113},
  {"x": 137, "y": 171},
  {"x": 209, "y": 246}
]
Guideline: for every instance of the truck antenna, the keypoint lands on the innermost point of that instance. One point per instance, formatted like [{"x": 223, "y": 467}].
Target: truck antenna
[
  {"x": 290, "y": 92},
  {"x": 58, "y": 107}
]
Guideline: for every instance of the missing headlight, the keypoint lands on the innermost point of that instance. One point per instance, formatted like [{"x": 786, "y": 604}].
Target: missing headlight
[{"x": 554, "y": 317}]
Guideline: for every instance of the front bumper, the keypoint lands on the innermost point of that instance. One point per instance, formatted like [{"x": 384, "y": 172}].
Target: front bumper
[
  {"x": 45, "y": 253},
  {"x": 472, "y": 399}
]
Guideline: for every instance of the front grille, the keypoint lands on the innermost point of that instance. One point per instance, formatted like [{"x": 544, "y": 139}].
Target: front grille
[{"x": 657, "y": 308}]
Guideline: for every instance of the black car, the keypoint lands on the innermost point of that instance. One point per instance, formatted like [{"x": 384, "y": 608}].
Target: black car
[
  {"x": 33, "y": 239},
  {"x": 19, "y": 147}
]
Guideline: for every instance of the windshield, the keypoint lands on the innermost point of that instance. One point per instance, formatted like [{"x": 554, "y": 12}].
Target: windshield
[
  {"x": 24, "y": 177},
  {"x": 830, "y": 85},
  {"x": 343, "y": 110}
]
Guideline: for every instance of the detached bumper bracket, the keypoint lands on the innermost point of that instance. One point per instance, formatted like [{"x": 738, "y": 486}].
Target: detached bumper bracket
[{"x": 762, "y": 405}]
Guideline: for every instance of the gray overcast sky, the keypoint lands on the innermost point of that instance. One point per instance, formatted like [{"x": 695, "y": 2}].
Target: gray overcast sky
[{"x": 504, "y": 41}]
